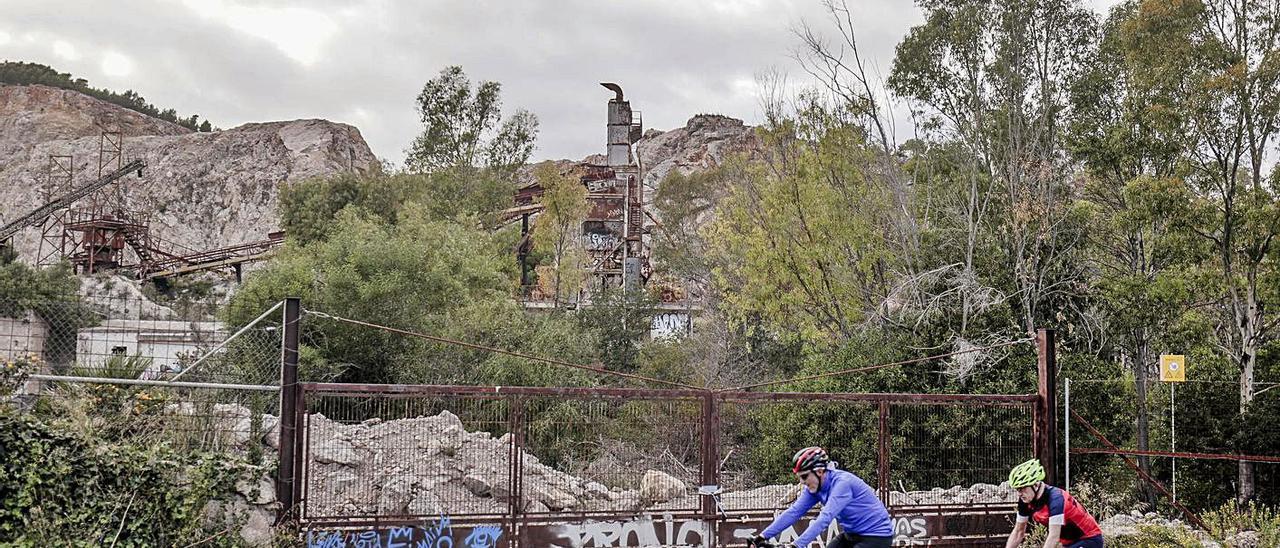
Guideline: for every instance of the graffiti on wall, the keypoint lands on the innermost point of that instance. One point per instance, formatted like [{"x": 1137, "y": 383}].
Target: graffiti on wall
[
  {"x": 667, "y": 531},
  {"x": 600, "y": 242},
  {"x": 907, "y": 531},
  {"x": 669, "y": 324},
  {"x": 440, "y": 534},
  {"x": 640, "y": 531}
]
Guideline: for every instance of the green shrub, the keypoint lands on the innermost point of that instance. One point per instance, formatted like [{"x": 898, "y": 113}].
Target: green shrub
[
  {"x": 1233, "y": 518},
  {"x": 58, "y": 489}
]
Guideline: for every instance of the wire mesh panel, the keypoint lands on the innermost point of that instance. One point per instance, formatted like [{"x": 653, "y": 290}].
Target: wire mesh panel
[
  {"x": 585, "y": 455},
  {"x": 406, "y": 457},
  {"x": 956, "y": 454},
  {"x": 577, "y": 463},
  {"x": 186, "y": 419},
  {"x": 758, "y": 439},
  {"x": 132, "y": 337},
  {"x": 412, "y": 456}
]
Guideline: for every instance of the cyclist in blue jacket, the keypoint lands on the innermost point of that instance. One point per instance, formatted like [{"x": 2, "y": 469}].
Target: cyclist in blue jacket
[{"x": 864, "y": 521}]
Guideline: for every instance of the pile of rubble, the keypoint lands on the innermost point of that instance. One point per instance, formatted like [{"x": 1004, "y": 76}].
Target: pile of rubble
[
  {"x": 433, "y": 465},
  {"x": 978, "y": 493}
]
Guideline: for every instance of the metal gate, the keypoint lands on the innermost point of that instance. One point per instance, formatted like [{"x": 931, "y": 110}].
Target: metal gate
[{"x": 415, "y": 465}]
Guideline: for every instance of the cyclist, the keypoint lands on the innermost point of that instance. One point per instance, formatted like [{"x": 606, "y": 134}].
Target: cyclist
[
  {"x": 1069, "y": 523},
  {"x": 864, "y": 521}
]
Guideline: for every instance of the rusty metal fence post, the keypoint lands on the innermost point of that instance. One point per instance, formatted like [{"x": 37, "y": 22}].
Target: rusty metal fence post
[
  {"x": 1046, "y": 424},
  {"x": 515, "y": 480},
  {"x": 710, "y": 461},
  {"x": 287, "y": 485},
  {"x": 882, "y": 462}
]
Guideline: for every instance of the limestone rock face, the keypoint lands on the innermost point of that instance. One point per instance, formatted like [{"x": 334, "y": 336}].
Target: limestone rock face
[
  {"x": 201, "y": 190},
  {"x": 705, "y": 142}
]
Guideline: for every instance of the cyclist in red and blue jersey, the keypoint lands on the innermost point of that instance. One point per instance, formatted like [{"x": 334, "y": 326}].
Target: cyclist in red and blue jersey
[
  {"x": 1069, "y": 524},
  {"x": 846, "y": 499}
]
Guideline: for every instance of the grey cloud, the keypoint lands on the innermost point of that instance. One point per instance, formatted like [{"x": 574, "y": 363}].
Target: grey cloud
[{"x": 674, "y": 59}]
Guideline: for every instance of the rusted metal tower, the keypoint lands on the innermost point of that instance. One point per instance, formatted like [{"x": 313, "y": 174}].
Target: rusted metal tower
[
  {"x": 59, "y": 178},
  {"x": 613, "y": 232},
  {"x": 93, "y": 235}
]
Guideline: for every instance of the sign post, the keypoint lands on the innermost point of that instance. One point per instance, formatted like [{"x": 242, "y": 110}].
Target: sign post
[{"x": 1173, "y": 370}]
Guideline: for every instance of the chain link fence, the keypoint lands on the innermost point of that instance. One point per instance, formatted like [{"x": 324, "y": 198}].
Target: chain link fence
[{"x": 126, "y": 369}]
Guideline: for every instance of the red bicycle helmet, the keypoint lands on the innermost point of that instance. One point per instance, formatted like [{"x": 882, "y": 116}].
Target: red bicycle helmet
[{"x": 809, "y": 458}]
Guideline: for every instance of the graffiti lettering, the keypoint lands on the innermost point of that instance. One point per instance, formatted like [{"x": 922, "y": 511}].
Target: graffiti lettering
[
  {"x": 602, "y": 185},
  {"x": 599, "y": 242},
  {"x": 669, "y": 324},
  {"x": 440, "y": 534},
  {"x": 907, "y": 531},
  {"x": 483, "y": 537},
  {"x": 910, "y": 532},
  {"x": 641, "y": 531},
  {"x": 400, "y": 537}
]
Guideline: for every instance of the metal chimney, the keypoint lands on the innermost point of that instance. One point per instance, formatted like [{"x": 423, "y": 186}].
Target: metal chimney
[{"x": 619, "y": 133}]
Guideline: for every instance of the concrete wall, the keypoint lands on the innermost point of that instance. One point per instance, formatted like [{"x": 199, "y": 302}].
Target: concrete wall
[
  {"x": 169, "y": 344},
  {"x": 23, "y": 336}
]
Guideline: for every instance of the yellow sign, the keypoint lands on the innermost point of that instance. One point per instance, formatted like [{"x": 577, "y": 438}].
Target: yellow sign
[{"x": 1173, "y": 368}]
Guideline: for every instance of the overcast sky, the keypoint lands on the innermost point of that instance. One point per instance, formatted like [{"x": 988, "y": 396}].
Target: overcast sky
[{"x": 363, "y": 62}]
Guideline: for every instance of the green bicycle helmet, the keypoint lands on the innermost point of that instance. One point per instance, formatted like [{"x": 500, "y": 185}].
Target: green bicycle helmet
[{"x": 1026, "y": 474}]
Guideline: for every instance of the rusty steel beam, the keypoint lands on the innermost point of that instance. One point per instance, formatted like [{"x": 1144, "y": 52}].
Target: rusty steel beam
[
  {"x": 1013, "y": 400},
  {"x": 960, "y": 529},
  {"x": 1191, "y": 516},
  {"x": 466, "y": 390},
  {"x": 516, "y": 480},
  {"x": 710, "y": 456},
  {"x": 882, "y": 462},
  {"x": 286, "y": 474},
  {"x": 1177, "y": 455}
]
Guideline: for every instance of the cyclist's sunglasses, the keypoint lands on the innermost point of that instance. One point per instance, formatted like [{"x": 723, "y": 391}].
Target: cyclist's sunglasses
[{"x": 804, "y": 476}]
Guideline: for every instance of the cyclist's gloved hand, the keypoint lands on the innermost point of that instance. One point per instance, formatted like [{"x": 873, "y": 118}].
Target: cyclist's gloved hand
[{"x": 758, "y": 541}]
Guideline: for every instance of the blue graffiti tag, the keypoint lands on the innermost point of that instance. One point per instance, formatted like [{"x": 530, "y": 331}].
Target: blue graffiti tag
[
  {"x": 484, "y": 536},
  {"x": 400, "y": 537},
  {"x": 438, "y": 535},
  {"x": 325, "y": 540},
  {"x": 441, "y": 536},
  {"x": 368, "y": 539}
]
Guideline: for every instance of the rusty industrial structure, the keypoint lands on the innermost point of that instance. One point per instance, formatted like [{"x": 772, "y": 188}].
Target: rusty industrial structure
[
  {"x": 96, "y": 229},
  {"x": 613, "y": 231}
]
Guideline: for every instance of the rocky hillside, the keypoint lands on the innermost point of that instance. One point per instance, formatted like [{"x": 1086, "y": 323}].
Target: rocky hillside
[
  {"x": 203, "y": 190},
  {"x": 704, "y": 142}
]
